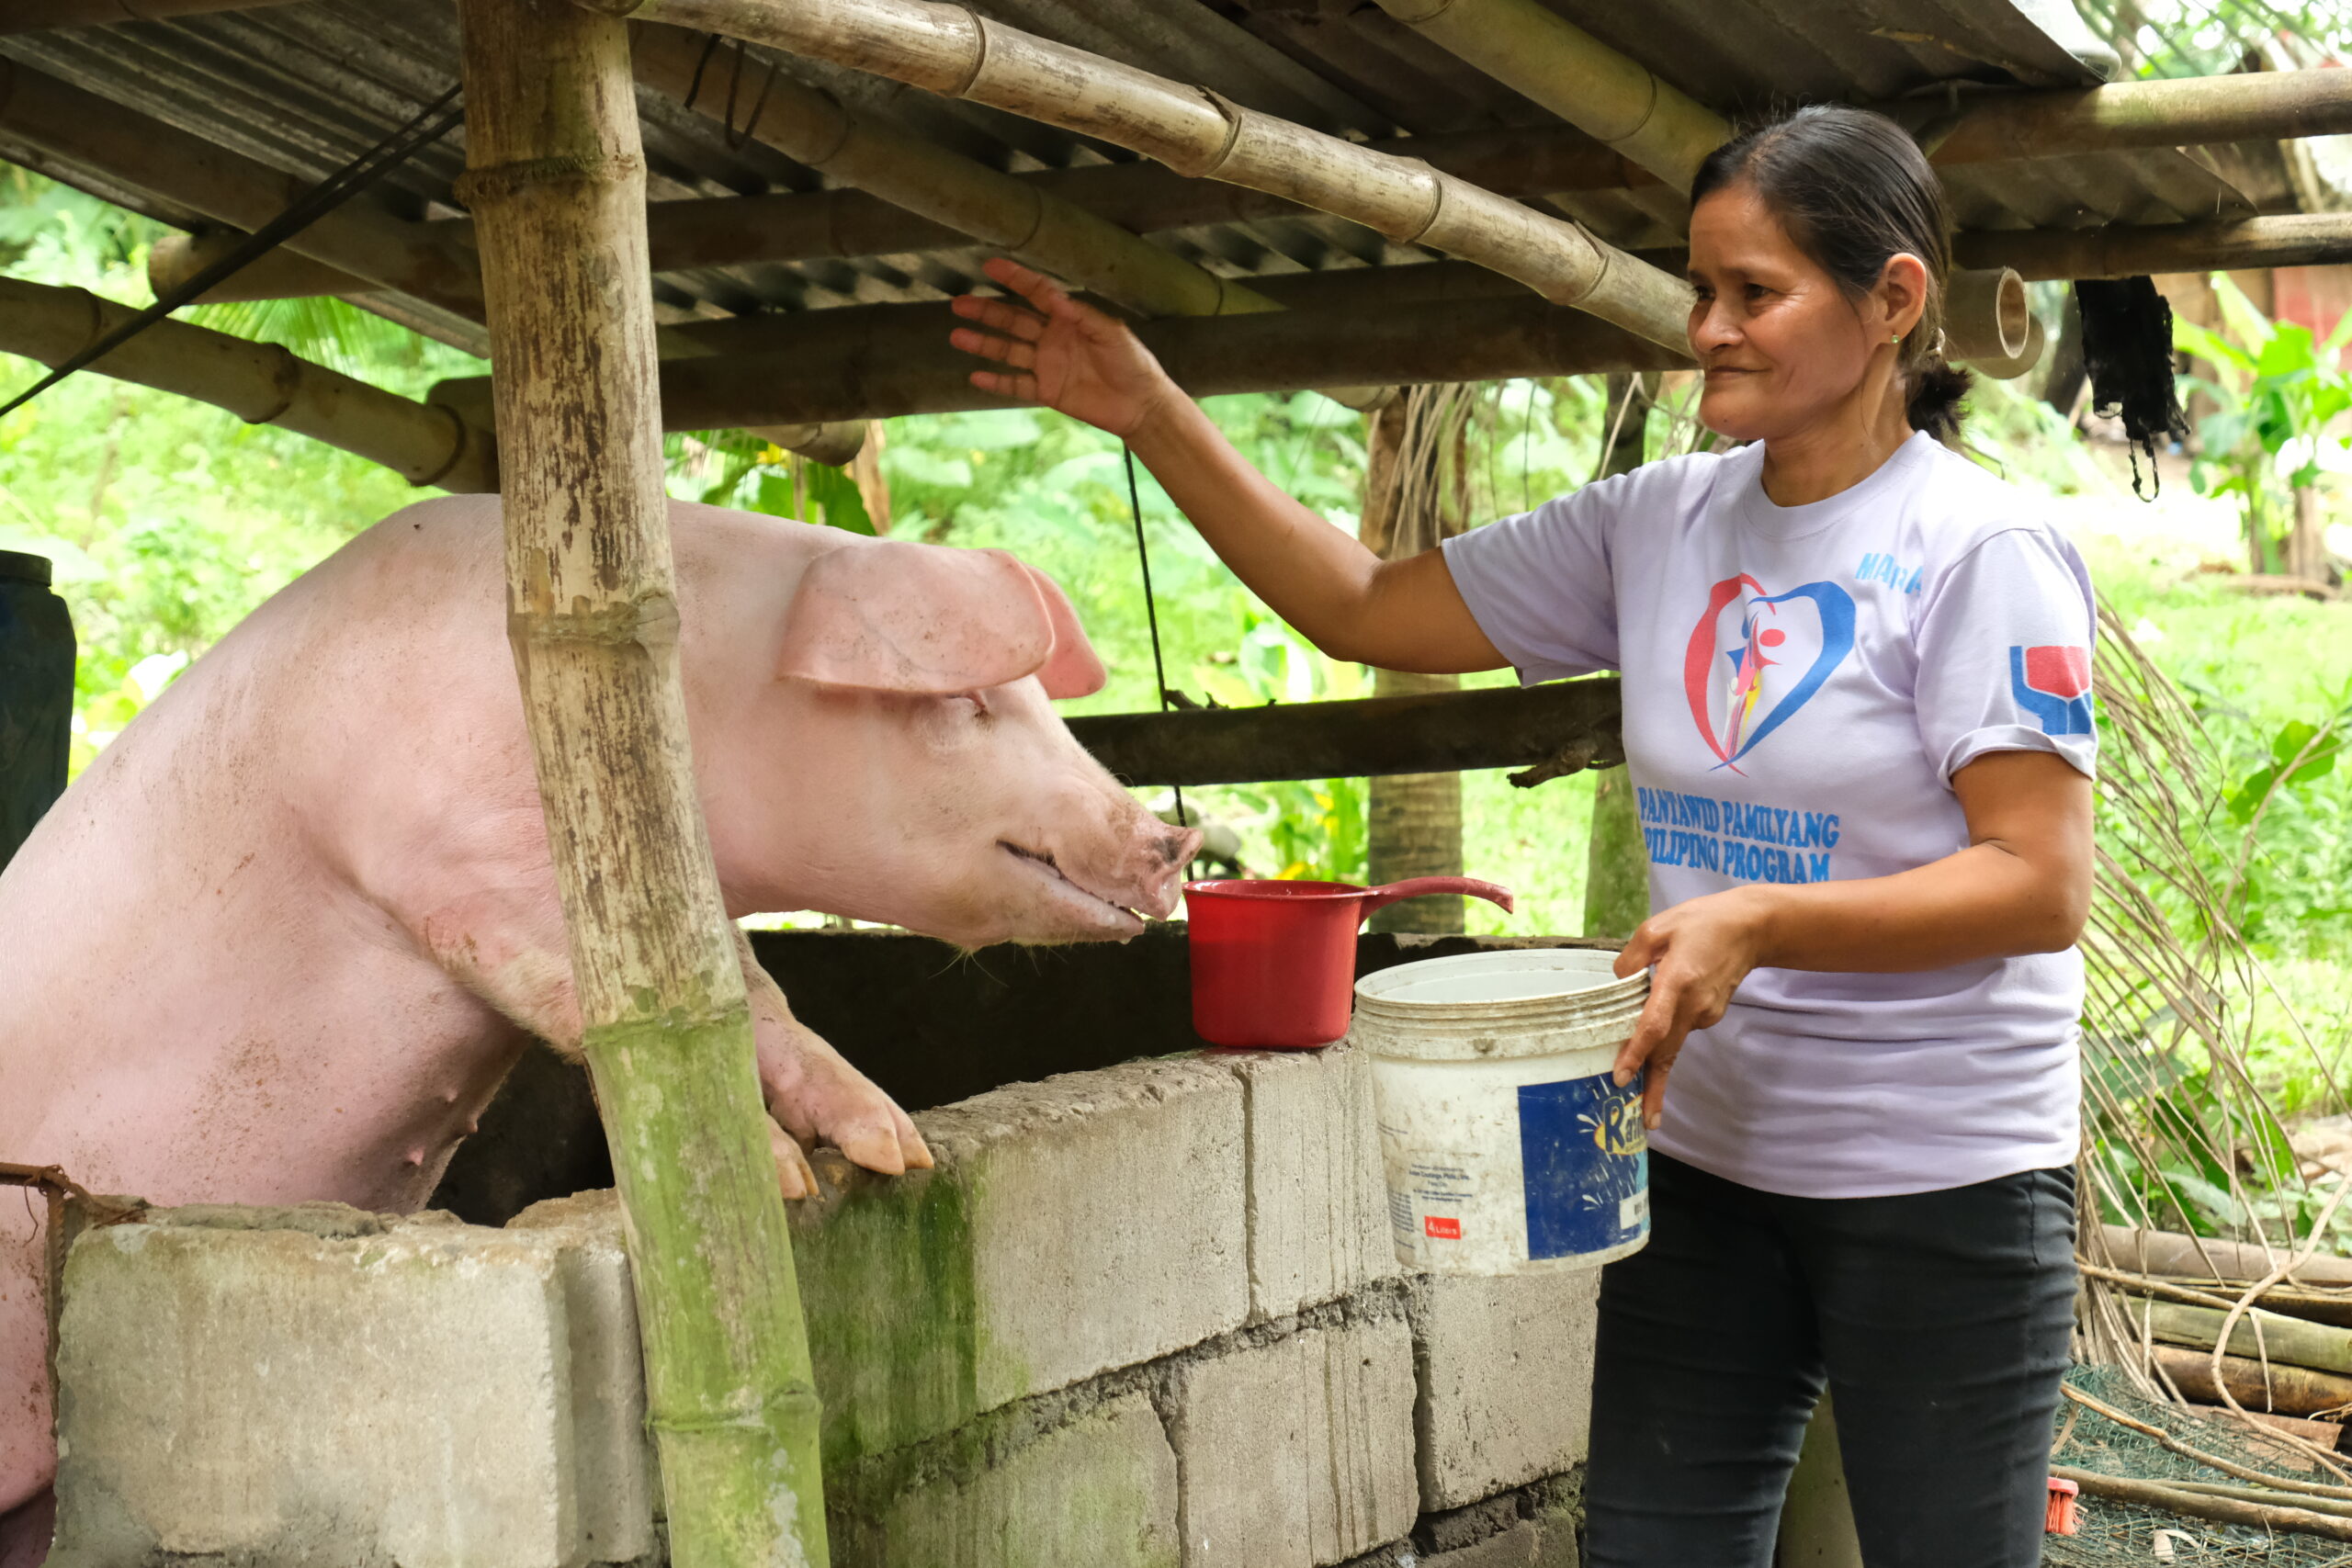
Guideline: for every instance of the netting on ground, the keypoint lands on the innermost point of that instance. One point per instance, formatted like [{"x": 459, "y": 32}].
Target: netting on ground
[{"x": 2114, "y": 1531}]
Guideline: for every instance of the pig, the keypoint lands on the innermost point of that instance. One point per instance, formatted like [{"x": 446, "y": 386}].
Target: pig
[{"x": 285, "y": 937}]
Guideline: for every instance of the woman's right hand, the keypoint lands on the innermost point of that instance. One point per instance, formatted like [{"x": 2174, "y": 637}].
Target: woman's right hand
[{"x": 1060, "y": 353}]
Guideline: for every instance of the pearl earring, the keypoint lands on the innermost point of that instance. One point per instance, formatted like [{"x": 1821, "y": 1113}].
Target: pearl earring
[{"x": 1896, "y": 340}]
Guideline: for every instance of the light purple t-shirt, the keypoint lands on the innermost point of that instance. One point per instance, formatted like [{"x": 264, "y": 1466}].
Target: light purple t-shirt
[{"x": 1801, "y": 684}]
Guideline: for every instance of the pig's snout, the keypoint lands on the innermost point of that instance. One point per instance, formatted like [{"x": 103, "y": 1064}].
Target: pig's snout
[
  {"x": 1178, "y": 846},
  {"x": 1170, "y": 850}
]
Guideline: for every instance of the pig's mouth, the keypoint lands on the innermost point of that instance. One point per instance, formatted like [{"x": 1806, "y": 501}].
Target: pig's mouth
[{"x": 1044, "y": 860}]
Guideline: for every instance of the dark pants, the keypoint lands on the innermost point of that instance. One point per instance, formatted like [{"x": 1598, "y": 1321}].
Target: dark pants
[{"x": 1938, "y": 1320}]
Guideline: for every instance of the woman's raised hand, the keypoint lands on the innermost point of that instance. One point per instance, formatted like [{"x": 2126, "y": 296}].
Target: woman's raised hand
[{"x": 1061, "y": 354}]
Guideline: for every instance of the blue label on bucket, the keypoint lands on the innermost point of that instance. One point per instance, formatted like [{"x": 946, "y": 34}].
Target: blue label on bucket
[{"x": 1587, "y": 1165}]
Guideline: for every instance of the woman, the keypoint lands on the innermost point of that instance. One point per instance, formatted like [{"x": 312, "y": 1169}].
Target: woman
[{"x": 1856, "y": 712}]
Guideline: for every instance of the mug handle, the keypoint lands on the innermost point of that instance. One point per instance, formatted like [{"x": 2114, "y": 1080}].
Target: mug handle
[{"x": 1425, "y": 886}]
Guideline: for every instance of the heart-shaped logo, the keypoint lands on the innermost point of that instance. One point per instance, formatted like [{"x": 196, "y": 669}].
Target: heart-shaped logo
[{"x": 1756, "y": 658}]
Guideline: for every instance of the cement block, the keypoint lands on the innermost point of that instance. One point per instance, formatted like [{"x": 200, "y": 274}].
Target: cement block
[
  {"x": 1099, "y": 1491},
  {"x": 620, "y": 1472},
  {"x": 1318, "y": 1225},
  {"x": 1297, "y": 1452},
  {"x": 1505, "y": 1374},
  {"x": 1087, "y": 1223},
  {"x": 1557, "y": 1542},
  {"x": 321, "y": 1385},
  {"x": 1513, "y": 1548}
]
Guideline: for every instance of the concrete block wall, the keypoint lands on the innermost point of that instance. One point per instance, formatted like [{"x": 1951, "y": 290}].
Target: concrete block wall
[{"x": 1145, "y": 1316}]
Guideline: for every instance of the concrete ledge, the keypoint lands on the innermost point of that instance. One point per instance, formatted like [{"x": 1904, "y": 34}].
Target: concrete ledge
[
  {"x": 1074, "y": 1226},
  {"x": 1141, "y": 1317},
  {"x": 318, "y": 1384}
]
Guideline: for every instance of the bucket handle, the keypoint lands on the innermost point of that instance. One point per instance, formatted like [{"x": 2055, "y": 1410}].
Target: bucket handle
[{"x": 1426, "y": 887}]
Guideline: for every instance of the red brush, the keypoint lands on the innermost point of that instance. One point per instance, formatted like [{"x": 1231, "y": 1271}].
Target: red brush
[{"x": 2064, "y": 1518}]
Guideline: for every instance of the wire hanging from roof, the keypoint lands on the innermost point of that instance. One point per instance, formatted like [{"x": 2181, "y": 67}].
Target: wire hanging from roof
[{"x": 429, "y": 126}]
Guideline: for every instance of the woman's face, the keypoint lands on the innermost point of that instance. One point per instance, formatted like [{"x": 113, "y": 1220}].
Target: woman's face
[{"x": 1783, "y": 349}]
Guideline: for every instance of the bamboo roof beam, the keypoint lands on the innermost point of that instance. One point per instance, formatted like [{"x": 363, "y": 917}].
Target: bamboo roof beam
[
  {"x": 280, "y": 274},
  {"x": 32, "y": 16},
  {"x": 2255, "y": 106},
  {"x": 1574, "y": 723},
  {"x": 965, "y": 196},
  {"x": 1541, "y": 54},
  {"x": 2122, "y": 250},
  {"x": 1145, "y": 197},
  {"x": 881, "y": 361},
  {"x": 261, "y": 383},
  {"x": 1139, "y": 198},
  {"x": 228, "y": 187},
  {"x": 960, "y": 54},
  {"x": 846, "y": 223}
]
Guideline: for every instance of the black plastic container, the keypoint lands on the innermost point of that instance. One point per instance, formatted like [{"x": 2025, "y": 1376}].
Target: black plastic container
[{"x": 36, "y": 695}]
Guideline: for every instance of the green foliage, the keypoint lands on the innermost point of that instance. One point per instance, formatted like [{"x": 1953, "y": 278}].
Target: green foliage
[
  {"x": 2276, "y": 390},
  {"x": 738, "y": 468},
  {"x": 169, "y": 519},
  {"x": 2212, "y": 37}
]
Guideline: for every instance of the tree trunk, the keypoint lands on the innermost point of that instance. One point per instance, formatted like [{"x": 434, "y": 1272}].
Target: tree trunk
[
  {"x": 2307, "y": 547},
  {"x": 1413, "y": 820},
  {"x": 1617, "y": 868},
  {"x": 557, "y": 183},
  {"x": 1414, "y": 826}
]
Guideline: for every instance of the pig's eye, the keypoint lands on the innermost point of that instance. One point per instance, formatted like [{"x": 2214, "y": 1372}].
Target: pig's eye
[{"x": 975, "y": 702}]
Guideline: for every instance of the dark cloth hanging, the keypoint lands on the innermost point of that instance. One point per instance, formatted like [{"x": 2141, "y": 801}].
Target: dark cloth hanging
[
  {"x": 36, "y": 695},
  {"x": 2127, "y": 348}
]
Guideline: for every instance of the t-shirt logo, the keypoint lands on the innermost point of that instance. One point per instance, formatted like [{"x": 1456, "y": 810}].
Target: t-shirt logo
[
  {"x": 1756, "y": 658},
  {"x": 2053, "y": 684}
]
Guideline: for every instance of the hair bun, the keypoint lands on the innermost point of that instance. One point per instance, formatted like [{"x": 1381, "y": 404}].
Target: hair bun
[{"x": 1937, "y": 389}]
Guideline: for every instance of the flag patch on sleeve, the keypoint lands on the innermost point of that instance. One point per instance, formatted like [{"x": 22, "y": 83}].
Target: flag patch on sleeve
[{"x": 2053, "y": 684}]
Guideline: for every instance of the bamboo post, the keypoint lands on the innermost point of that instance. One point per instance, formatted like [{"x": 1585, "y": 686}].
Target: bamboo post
[
  {"x": 1616, "y": 858},
  {"x": 261, "y": 383},
  {"x": 557, "y": 182},
  {"x": 960, "y": 54},
  {"x": 1413, "y": 501},
  {"x": 1533, "y": 49}
]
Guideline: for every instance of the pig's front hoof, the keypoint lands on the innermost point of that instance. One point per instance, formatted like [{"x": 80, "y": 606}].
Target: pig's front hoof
[
  {"x": 818, "y": 1097},
  {"x": 792, "y": 1172}
]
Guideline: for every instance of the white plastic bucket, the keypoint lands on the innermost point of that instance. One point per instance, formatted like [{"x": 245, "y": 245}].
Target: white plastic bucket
[{"x": 1507, "y": 1147}]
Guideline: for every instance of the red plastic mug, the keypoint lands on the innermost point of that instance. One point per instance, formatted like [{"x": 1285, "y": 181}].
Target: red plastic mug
[{"x": 1274, "y": 963}]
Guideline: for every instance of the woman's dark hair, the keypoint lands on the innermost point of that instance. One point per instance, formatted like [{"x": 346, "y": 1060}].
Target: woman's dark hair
[{"x": 1852, "y": 190}]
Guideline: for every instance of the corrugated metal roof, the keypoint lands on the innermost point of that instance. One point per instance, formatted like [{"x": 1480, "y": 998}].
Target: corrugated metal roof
[{"x": 303, "y": 87}]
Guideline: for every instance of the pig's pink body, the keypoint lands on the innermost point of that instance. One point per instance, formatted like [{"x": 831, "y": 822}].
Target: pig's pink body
[{"x": 284, "y": 938}]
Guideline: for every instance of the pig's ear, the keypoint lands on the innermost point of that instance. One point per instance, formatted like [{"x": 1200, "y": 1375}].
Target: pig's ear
[
  {"x": 1071, "y": 669},
  {"x": 893, "y": 615}
]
